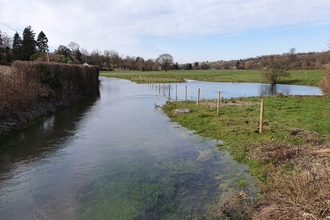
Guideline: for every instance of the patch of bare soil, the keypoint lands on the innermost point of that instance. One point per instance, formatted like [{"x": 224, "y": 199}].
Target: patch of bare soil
[{"x": 213, "y": 104}]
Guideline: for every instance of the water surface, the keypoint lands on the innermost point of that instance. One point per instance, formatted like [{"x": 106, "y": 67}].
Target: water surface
[{"x": 115, "y": 155}]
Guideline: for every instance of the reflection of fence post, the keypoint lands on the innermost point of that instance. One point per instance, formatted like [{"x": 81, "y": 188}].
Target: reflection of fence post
[
  {"x": 185, "y": 93},
  {"x": 218, "y": 106},
  {"x": 176, "y": 92},
  {"x": 198, "y": 94},
  {"x": 159, "y": 88},
  {"x": 261, "y": 116},
  {"x": 163, "y": 89},
  {"x": 169, "y": 91}
]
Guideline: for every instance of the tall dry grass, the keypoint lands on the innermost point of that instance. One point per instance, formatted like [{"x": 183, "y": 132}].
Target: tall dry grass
[
  {"x": 26, "y": 83},
  {"x": 299, "y": 184},
  {"x": 16, "y": 92}
]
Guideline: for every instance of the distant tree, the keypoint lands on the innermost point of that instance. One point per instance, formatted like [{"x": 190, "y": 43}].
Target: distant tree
[
  {"x": 114, "y": 59},
  {"x": 73, "y": 47},
  {"x": 275, "y": 69},
  {"x": 140, "y": 64},
  {"x": 176, "y": 66},
  {"x": 63, "y": 50},
  {"x": 5, "y": 47},
  {"x": 29, "y": 45},
  {"x": 1, "y": 47},
  {"x": 8, "y": 55},
  {"x": 42, "y": 42},
  {"x": 17, "y": 47},
  {"x": 65, "y": 54},
  {"x": 78, "y": 56},
  {"x": 249, "y": 64},
  {"x": 107, "y": 59},
  {"x": 165, "y": 61},
  {"x": 149, "y": 64},
  {"x": 85, "y": 55},
  {"x": 96, "y": 56}
]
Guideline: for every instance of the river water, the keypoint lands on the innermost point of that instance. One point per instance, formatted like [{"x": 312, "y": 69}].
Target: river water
[{"x": 116, "y": 155}]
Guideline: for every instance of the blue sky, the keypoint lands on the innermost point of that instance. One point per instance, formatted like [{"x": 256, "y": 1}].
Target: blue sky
[{"x": 199, "y": 30}]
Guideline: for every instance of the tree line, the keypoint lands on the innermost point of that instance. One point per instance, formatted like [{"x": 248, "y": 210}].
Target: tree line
[
  {"x": 29, "y": 48},
  {"x": 290, "y": 60},
  {"x": 22, "y": 48}
]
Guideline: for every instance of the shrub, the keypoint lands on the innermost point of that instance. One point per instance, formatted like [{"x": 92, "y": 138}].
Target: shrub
[
  {"x": 37, "y": 55},
  {"x": 325, "y": 83}
]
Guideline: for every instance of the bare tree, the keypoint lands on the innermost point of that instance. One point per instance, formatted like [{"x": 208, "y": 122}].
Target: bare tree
[
  {"x": 73, "y": 47},
  {"x": 165, "y": 61},
  {"x": 115, "y": 59},
  {"x": 149, "y": 64},
  {"x": 96, "y": 56},
  {"x": 107, "y": 58},
  {"x": 275, "y": 69}
]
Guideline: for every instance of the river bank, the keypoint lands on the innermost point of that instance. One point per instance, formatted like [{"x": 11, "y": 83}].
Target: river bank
[
  {"x": 290, "y": 159},
  {"x": 32, "y": 90}
]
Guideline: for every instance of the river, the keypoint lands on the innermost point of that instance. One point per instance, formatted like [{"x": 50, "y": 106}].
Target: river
[{"x": 116, "y": 155}]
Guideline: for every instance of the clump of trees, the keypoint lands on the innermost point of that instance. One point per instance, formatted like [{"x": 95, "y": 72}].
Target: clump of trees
[{"x": 23, "y": 48}]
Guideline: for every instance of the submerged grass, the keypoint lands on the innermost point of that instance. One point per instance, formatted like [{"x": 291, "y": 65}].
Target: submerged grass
[
  {"x": 290, "y": 158},
  {"x": 297, "y": 77}
]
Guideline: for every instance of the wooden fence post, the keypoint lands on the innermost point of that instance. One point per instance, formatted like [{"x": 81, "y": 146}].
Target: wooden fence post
[
  {"x": 218, "y": 105},
  {"x": 198, "y": 95},
  {"x": 261, "y": 116},
  {"x": 185, "y": 93},
  {"x": 176, "y": 93}
]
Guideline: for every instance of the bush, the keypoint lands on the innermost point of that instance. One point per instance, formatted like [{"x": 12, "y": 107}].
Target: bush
[
  {"x": 37, "y": 55},
  {"x": 325, "y": 83}
]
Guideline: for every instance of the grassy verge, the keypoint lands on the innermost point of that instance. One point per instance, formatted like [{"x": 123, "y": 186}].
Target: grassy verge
[
  {"x": 298, "y": 77},
  {"x": 291, "y": 158}
]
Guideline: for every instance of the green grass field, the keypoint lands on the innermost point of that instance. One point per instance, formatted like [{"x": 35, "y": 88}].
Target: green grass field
[{"x": 297, "y": 77}]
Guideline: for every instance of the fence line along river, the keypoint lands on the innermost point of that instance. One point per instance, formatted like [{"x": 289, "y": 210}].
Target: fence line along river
[{"x": 116, "y": 155}]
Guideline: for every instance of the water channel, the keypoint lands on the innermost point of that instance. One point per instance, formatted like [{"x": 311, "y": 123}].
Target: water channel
[{"x": 116, "y": 155}]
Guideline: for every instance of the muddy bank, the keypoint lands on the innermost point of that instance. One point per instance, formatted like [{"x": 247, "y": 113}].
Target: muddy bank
[{"x": 32, "y": 90}]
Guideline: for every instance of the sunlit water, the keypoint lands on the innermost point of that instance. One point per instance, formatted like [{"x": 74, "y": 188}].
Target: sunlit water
[{"x": 115, "y": 155}]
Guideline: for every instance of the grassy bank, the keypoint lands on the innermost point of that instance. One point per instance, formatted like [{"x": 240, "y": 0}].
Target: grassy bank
[
  {"x": 298, "y": 77},
  {"x": 290, "y": 158}
]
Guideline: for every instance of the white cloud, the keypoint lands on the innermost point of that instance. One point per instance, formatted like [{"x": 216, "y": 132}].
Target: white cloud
[{"x": 102, "y": 24}]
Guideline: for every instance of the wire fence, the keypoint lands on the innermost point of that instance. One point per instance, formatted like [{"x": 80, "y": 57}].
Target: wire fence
[{"x": 316, "y": 120}]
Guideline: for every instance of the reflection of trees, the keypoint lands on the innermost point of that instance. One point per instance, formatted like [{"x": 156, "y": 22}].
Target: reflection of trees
[
  {"x": 268, "y": 89},
  {"x": 272, "y": 90},
  {"x": 31, "y": 143}
]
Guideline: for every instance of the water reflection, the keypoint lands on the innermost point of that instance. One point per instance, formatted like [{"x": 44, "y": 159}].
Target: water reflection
[
  {"x": 209, "y": 90},
  {"x": 31, "y": 141}
]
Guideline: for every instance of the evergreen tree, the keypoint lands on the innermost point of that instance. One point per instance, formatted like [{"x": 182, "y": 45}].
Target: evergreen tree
[
  {"x": 7, "y": 53},
  {"x": 17, "y": 47},
  {"x": 78, "y": 56},
  {"x": 29, "y": 45},
  {"x": 42, "y": 42}
]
